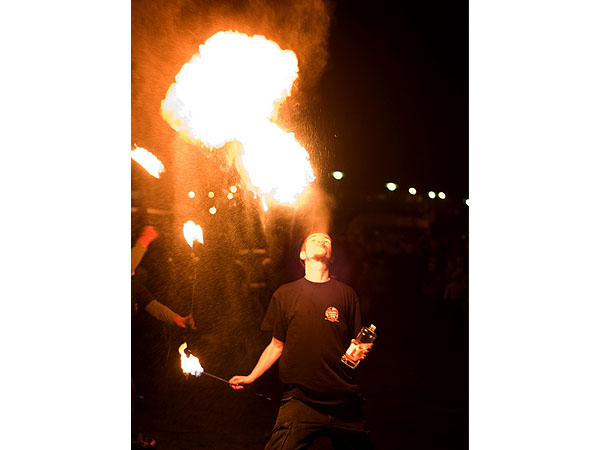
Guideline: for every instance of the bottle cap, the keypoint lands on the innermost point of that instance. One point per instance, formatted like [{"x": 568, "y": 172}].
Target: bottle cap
[{"x": 372, "y": 327}]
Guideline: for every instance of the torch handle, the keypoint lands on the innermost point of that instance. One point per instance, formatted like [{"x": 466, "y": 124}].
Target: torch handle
[
  {"x": 216, "y": 377},
  {"x": 226, "y": 381}
]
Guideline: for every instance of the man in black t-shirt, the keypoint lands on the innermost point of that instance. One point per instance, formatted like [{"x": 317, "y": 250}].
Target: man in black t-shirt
[{"x": 313, "y": 320}]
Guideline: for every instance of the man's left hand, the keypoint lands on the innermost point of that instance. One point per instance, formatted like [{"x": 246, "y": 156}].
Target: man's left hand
[
  {"x": 185, "y": 322},
  {"x": 363, "y": 349}
]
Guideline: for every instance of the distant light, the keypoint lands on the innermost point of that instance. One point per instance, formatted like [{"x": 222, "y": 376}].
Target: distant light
[
  {"x": 191, "y": 194},
  {"x": 431, "y": 194},
  {"x": 467, "y": 201},
  {"x": 212, "y": 210},
  {"x": 211, "y": 194},
  {"x": 233, "y": 189},
  {"x": 391, "y": 186},
  {"x": 412, "y": 191},
  {"x": 442, "y": 195},
  {"x": 337, "y": 175},
  {"x": 230, "y": 196}
]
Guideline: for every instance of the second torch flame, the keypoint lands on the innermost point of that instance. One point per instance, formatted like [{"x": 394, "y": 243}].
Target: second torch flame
[
  {"x": 190, "y": 364},
  {"x": 192, "y": 232},
  {"x": 148, "y": 161}
]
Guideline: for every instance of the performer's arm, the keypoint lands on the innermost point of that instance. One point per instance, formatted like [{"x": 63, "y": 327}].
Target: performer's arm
[
  {"x": 149, "y": 233},
  {"x": 165, "y": 314},
  {"x": 270, "y": 354}
]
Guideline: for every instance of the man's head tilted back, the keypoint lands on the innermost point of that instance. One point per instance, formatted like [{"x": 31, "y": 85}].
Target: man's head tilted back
[{"x": 317, "y": 247}]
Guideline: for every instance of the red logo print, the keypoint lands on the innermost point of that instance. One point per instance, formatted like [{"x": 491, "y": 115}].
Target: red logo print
[{"x": 331, "y": 314}]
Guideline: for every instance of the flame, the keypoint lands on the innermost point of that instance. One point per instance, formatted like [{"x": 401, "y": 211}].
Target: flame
[
  {"x": 230, "y": 91},
  {"x": 190, "y": 364},
  {"x": 264, "y": 203},
  {"x": 148, "y": 161},
  {"x": 192, "y": 232}
]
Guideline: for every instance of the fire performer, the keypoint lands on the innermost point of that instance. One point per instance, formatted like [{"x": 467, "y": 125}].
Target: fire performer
[
  {"x": 313, "y": 320},
  {"x": 141, "y": 298}
]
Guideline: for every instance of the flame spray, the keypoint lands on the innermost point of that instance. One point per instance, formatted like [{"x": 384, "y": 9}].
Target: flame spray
[{"x": 230, "y": 91}]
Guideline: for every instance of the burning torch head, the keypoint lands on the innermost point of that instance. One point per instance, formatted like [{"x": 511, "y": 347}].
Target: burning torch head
[{"x": 189, "y": 363}]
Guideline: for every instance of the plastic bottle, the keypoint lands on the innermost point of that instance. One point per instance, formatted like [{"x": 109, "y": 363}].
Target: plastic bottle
[{"x": 365, "y": 336}]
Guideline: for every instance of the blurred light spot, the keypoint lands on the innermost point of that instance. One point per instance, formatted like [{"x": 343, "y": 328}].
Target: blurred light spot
[
  {"x": 211, "y": 194},
  {"x": 191, "y": 194},
  {"x": 233, "y": 189},
  {"x": 431, "y": 194},
  {"x": 467, "y": 201},
  {"x": 391, "y": 186},
  {"x": 412, "y": 191},
  {"x": 230, "y": 196},
  {"x": 442, "y": 195},
  {"x": 337, "y": 175},
  {"x": 212, "y": 210}
]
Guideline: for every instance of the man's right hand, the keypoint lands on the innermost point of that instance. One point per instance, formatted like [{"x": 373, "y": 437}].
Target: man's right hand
[{"x": 239, "y": 381}]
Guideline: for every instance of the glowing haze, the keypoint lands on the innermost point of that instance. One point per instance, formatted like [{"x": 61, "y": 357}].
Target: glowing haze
[{"x": 230, "y": 91}]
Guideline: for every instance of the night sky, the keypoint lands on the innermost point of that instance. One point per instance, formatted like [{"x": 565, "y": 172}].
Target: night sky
[{"x": 396, "y": 92}]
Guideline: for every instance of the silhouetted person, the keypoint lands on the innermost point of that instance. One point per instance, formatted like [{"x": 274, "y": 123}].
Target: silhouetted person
[{"x": 143, "y": 300}]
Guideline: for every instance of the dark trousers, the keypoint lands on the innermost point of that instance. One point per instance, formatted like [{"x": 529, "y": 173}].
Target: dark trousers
[{"x": 298, "y": 424}]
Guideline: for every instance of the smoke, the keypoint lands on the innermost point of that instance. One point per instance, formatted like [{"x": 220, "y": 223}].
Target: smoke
[{"x": 315, "y": 215}]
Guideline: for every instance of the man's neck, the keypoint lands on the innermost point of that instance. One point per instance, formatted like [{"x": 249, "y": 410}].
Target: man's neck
[{"x": 316, "y": 271}]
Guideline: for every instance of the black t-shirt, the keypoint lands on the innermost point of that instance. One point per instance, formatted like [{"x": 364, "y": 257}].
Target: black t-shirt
[{"x": 316, "y": 322}]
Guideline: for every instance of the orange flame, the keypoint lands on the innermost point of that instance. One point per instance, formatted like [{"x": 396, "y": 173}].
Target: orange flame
[
  {"x": 192, "y": 232},
  {"x": 148, "y": 161},
  {"x": 190, "y": 364},
  {"x": 230, "y": 91}
]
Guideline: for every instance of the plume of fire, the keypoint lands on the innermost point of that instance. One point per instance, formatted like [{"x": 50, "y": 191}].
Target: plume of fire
[
  {"x": 192, "y": 232},
  {"x": 230, "y": 91},
  {"x": 190, "y": 364},
  {"x": 148, "y": 161}
]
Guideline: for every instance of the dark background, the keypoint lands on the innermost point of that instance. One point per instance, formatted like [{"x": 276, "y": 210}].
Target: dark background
[
  {"x": 533, "y": 116},
  {"x": 387, "y": 100}
]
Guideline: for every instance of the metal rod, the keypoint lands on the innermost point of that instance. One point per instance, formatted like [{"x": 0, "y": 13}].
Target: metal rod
[
  {"x": 215, "y": 377},
  {"x": 226, "y": 381},
  {"x": 194, "y": 288}
]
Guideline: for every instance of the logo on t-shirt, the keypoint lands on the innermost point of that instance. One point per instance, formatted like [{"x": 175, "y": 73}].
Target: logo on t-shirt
[{"x": 331, "y": 314}]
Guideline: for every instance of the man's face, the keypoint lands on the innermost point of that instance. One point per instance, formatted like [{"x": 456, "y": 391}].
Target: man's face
[{"x": 317, "y": 247}]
